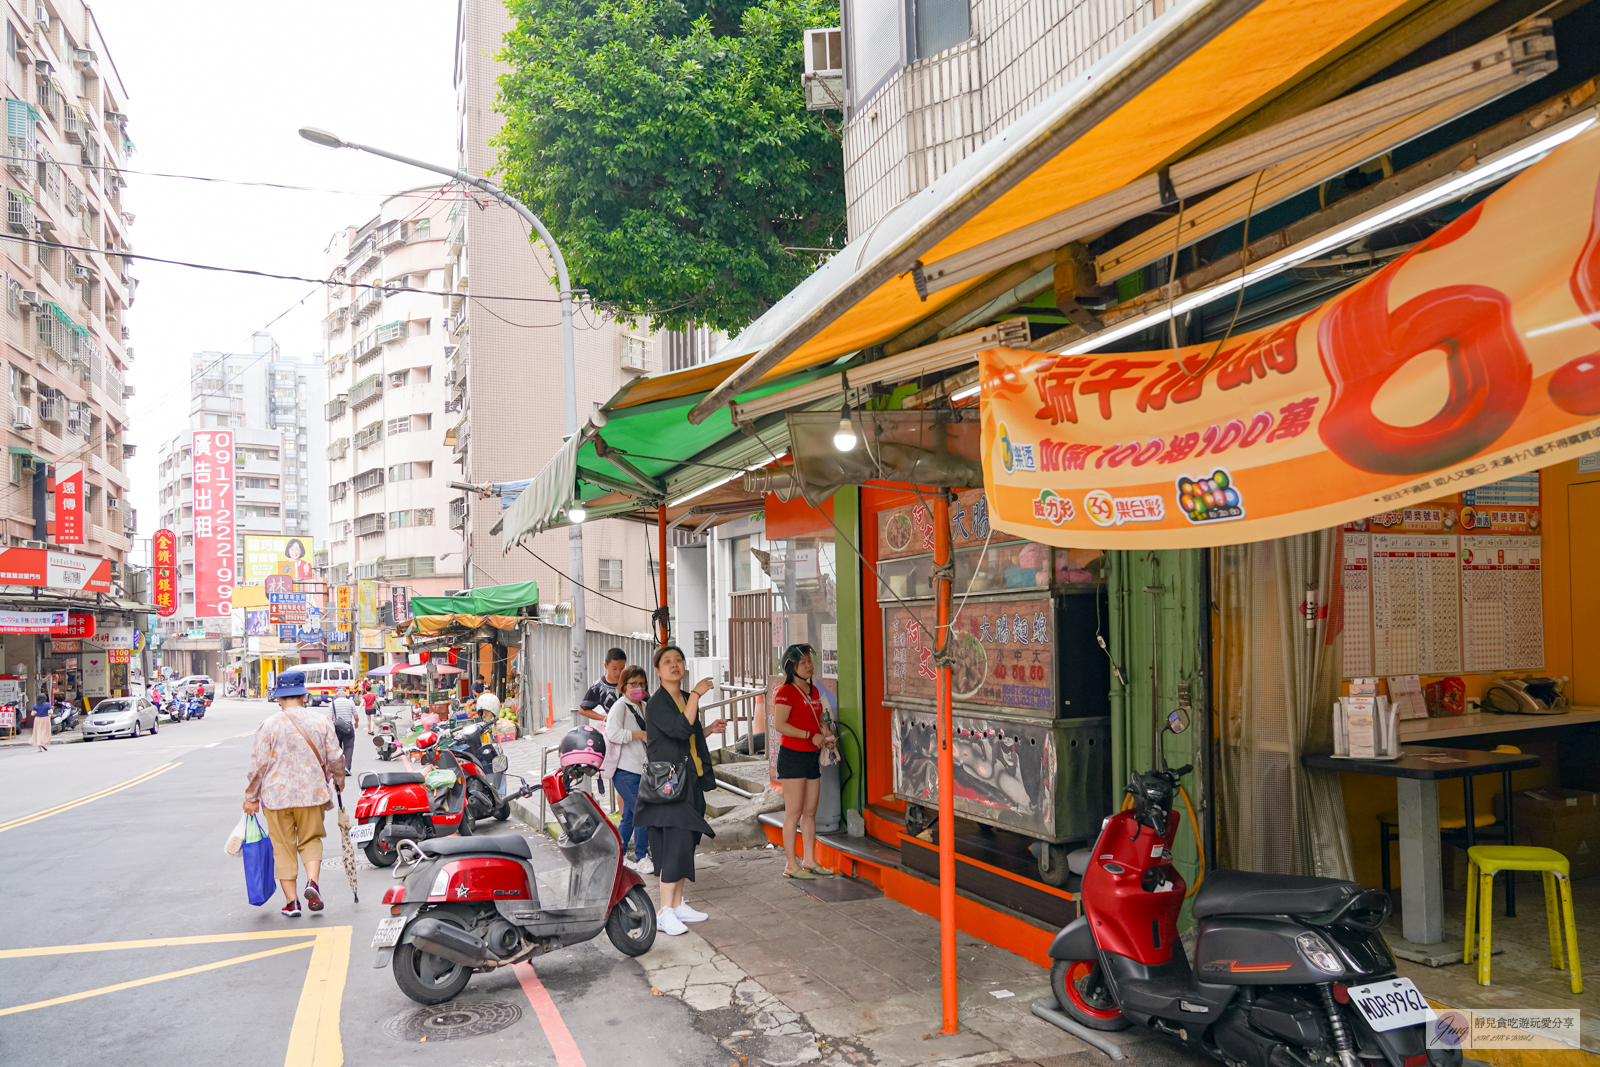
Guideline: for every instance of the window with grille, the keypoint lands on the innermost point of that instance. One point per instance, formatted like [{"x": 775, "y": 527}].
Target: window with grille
[
  {"x": 611, "y": 575},
  {"x": 400, "y": 425},
  {"x": 399, "y": 378},
  {"x": 422, "y": 517}
]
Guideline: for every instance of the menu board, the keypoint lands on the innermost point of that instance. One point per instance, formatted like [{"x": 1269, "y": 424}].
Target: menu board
[
  {"x": 908, "y": 530},
  {"x": 1416, "y": 604},
  {"x": 1005, "y": 654},
  {"x": 1357, "y": 587},
  {"x": 1502, "y": 601}
]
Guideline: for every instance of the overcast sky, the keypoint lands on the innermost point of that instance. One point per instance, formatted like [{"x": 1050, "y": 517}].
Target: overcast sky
[{"x": 217, "y": 90}]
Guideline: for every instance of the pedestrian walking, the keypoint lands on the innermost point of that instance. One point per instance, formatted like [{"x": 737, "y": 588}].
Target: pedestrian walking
[
  {"x": 675, "y": 737},
  {"x": 344, "y": 725},
  {"x": 41, "y": 724},
  {"x": 625, "y": 730},
  {"x": 296, "y": 766},
  {"x": 370, "y": 701},
  {"x": 799, "y": 719},
  {"x": 603, "y": 693}
]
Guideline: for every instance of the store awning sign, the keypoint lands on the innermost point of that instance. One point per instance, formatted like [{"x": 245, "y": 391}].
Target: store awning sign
[
  {"x": 164, "y": 554},
  {"x": 33, "y": 622},
  {"x": 54, "y": 570},
  {"x": 1472, "y": 357}
]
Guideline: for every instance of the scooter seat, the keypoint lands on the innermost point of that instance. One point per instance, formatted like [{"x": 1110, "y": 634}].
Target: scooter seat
[
  {"x": 1250, "y": 893},
  {"x": 507, "y": 844},
  {"x": 371, "y": 779}
]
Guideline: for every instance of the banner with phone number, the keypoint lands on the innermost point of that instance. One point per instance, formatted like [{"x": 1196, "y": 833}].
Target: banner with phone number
[{"x": 1473, "y": 356}]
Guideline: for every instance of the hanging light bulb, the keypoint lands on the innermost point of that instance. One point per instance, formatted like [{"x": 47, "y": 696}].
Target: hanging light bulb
[
  {"x": 845, "y": 438},
  {"x": 576, "y": 512}
]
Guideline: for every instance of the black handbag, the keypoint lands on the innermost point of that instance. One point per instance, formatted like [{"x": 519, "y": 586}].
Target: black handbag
[{"x": 664, "y": 782}]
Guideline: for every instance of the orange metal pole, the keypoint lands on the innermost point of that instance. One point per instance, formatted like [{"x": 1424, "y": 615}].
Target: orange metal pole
[
  {"x": 661, "y": 528},
  {"x": 550, "y": 705},
  {"x": 947, "y": 803}
]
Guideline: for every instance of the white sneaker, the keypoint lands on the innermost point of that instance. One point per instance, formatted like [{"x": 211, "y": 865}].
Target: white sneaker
[
  {"x": 669, "y": 923},
  {"x": 689, "y": 915},
  {"x": 644, "y": 866}
]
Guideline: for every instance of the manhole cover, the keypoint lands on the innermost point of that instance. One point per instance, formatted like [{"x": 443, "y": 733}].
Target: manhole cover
[{"x": 459, "y": 1018}]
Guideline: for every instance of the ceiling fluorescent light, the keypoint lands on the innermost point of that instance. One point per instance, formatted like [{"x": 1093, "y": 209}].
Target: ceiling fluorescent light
[
  {"x": 1492, "y": 169},
  {"x": 685, "y": 498}
]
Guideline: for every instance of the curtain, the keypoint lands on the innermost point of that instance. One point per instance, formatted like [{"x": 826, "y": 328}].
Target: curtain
[{"x": 1277, "y": 679}]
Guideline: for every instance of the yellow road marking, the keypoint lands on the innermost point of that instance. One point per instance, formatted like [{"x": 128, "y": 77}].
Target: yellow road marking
[
  {"x": 163, "y": 977},
  {"x": 24, "y": 820},
  {"x": 314, "y": 1037},
  {"x": 153, "y": 942}
]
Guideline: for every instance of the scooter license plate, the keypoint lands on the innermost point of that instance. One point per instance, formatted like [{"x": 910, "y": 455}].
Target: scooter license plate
[
  {"x": 360, "y": 835},
  {"x": 388, "y": 931},
  {"x": 1391, "y": 1004}
]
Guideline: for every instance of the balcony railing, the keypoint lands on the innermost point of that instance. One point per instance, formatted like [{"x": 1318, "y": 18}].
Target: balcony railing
[
  {"x": 368, "y": 479},
  {"x": 369, "y": 435},
  {"x": 338, "y": 491},
  {"x": 367, "y": 525},
  {"x": 338, "y": 449},
  {"x": 364, "y": 349},
  {"x": 335, "y": 408},
  {"x": 458, "y": 513},
  {"x": 366, "y": 391}
]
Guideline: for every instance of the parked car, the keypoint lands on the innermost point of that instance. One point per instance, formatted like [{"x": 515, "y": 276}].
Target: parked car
[
  {"x": 120, "y": 717},
  {"x": 196, "y": 683}
]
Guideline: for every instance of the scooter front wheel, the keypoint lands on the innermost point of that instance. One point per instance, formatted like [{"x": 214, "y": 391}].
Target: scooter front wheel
[
  {"x": 1081, "y": 990},
  {"x": 631, "y": 926}
]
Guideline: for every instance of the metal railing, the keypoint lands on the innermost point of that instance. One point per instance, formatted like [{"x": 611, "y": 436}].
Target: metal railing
[{"x": 745, "y": 711}]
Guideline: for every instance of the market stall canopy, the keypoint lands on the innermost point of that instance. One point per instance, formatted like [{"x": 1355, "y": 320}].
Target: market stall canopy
[
  {"x": 1175, "y": 87},
  {"x": 382, "y": 672},
  {"x": 1472, "y": 357},
  {"x": 488, "y": 600},
  {"x": 432, "y": 624}
]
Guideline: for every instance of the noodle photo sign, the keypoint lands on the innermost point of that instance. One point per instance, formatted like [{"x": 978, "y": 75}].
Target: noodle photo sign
[{"x": 1005, "y": 654}]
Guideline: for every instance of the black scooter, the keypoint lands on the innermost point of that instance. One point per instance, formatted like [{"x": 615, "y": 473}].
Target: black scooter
[{"x": 1289, "y": 971}]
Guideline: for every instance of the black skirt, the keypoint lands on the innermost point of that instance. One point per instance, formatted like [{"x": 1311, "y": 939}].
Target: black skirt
[
  {"x": 793, "y": 763},
  {"x": 672, "y": 851}
]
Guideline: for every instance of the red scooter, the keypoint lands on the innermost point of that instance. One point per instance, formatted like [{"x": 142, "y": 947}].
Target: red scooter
[
  {"x": 398, "y": 805},
  {"x": 1289, "y": 971},
  {"x": 477, "y": 903}
]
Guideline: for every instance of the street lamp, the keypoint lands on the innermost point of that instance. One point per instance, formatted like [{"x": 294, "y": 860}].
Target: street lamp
[{"x": 580, "y": 671}]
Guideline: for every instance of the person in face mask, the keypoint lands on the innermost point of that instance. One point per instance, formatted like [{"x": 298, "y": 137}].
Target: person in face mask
[{"x": 625, "y": 729}]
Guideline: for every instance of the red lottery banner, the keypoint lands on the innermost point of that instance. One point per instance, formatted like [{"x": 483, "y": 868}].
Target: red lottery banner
[
  {"x": 164, "y": 558},
  {"x": 1472, "y": 357},
  {"x": 215, "y": 538},
  {"x": 69, "y": 504}
]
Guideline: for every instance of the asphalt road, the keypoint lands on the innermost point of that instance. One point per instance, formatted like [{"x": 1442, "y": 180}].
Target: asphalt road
[{"x": 121, "y": 841}]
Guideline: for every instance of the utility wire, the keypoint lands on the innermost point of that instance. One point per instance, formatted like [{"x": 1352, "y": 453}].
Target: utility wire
[
  {"x": 580, "y": 585},
  {"x": 106, "y": 170}
]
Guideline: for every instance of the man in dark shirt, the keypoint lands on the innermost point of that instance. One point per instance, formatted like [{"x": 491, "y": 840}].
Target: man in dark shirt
[{"x": 603, "y": 693}]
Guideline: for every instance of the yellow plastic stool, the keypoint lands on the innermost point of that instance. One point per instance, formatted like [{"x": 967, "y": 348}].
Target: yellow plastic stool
[{"x": 1483, "y": 862}]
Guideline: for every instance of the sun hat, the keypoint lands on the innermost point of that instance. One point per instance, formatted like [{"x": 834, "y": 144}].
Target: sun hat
[{"x": 290, "y": 684}]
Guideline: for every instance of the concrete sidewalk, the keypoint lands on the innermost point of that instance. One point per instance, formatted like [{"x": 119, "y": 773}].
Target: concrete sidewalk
[{"x": 785, "y": 978}]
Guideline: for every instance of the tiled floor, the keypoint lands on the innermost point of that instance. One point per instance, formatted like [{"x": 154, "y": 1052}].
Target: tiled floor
[{"x": 1521, "y": 975}]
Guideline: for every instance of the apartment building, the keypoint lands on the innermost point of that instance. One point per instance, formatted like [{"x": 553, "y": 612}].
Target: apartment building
[
  {"x": 66, "y": 347},
  {"x": 387, "y": 351},
  {"x": 505, "y": 369},
  {"x": 266, "y": 389},
  {"x": 926, "y": 82}
]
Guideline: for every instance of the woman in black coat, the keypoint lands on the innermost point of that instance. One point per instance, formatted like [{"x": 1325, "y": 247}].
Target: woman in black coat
[{"x": 675, "y": 735}]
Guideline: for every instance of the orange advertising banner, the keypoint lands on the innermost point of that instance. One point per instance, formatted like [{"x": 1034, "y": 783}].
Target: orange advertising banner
[{"x": 1472, "y": 357}]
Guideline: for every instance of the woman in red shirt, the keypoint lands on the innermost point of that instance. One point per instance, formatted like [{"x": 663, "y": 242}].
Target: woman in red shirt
[{"x": 800, "y": 721}]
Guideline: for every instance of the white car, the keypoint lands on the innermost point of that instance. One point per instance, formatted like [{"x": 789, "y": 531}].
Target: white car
[{"x": 120, "y": 717}]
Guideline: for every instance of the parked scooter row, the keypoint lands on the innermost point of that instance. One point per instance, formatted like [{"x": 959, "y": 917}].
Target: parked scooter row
[
  {"x": 476, "y": 904},
  {"x": 177, "y": 709}
]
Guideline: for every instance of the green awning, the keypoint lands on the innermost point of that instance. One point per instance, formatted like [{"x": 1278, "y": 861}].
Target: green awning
[
  {"x": 490, "y": 600},
  {"x": 23, "y": 450}
]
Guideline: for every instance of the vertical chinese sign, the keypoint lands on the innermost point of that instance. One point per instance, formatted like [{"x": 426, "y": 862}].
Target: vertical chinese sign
[
  {"x": 69, "y": 504},
  {"x": 214, "y": 540},
  {"x": 164, "y": 561}
]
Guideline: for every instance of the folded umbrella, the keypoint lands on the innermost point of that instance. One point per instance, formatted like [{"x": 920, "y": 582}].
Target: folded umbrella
[{"x": 347, "y": 849}]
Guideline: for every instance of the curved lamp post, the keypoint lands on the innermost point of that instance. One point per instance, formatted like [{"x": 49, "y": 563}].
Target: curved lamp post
[{"x": 580, "y": 671}]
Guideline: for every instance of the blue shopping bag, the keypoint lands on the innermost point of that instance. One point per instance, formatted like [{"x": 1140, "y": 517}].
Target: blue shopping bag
[{"x": 257, "y": 853}]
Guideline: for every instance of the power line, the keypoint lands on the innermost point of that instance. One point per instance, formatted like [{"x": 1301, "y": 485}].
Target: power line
[{"x": 108, "y": 170}]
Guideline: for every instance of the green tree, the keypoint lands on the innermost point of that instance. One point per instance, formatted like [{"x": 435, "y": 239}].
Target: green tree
[{"x": 667, "y": 146}]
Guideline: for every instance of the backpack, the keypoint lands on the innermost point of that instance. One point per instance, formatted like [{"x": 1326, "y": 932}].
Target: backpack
[{"x": 608, "y": 765}]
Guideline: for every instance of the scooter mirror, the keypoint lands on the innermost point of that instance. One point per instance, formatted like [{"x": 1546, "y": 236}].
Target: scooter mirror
[{"x": 1178, "y": 720}]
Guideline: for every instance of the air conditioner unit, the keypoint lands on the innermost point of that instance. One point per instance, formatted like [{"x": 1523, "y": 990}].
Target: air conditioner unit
[
  {"x": 31, "y": 298},
  {"x": 113, "y": 502},
  {"x": 33, "y": 544},
  {"x": 82, "y": 272},
  {"x": 21, "y": 418},
  {"x": 84, "y": 57},
  {"x": 41, "y": 17},
  {"x": 824, "y": 75}
]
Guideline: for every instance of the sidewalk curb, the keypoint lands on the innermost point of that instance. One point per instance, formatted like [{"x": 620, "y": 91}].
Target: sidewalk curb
[{"x": 25, "y": 743}]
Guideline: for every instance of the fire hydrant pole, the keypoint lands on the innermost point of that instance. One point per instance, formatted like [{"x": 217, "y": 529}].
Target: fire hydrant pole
[{"x": 947, "y": 809}]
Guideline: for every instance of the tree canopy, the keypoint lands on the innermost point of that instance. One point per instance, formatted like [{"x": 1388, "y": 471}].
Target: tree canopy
[{"x": 666, "y": 145}]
